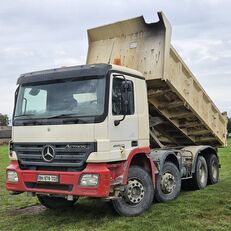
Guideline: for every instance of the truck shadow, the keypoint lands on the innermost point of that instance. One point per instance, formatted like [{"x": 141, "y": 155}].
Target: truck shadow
[
  {"x": 85, "y": 213},
  {"x": 84, "y": 208}
]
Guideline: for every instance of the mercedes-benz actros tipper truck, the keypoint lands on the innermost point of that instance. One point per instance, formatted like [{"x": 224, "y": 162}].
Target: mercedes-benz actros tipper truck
[{"x": 129, "y": 126}]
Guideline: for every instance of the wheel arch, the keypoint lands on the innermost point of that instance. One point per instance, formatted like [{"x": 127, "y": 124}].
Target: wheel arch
[
  {"x": 161, "y": 156},
  {"x": 172, "y": 158},
  {"x": 140, "y": 157},
  {"x": 204, "y": 151}
]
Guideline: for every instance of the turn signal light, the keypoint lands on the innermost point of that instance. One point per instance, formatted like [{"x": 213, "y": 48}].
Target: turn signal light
[{"x": 117, "y": 61}]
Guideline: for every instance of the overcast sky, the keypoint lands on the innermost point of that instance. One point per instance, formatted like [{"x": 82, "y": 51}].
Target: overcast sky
[{"x": 44, "y": 34}]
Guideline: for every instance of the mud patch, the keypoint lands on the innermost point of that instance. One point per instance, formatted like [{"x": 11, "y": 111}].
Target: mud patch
[{"x": 30, "y": 210}]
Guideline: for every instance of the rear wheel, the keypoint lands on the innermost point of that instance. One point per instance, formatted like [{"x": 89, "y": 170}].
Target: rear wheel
[
  {"x": 168, "y": 185},
  {"x": 55, "y": 202},
  {"x": 200, "y": 176},
  {"x": 213, "y": 169},
  {"x": 138, "y": 195}
]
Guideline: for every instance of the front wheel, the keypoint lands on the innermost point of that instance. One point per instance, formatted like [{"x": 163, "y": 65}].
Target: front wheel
[
  {"x": 138, "y": 195},
  {"x": 168, "y": 185},
  {"x": 55, "y": 202}
]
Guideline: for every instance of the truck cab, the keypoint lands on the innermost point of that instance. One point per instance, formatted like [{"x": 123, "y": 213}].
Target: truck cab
[
  {"x": 81, "y": 105},
  {"x": 75, "y": 129}
]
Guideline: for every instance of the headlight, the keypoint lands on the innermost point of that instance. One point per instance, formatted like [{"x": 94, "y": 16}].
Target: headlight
[
  {"x": 89, "y": 180},
  {"x": 12, "y": 176}
]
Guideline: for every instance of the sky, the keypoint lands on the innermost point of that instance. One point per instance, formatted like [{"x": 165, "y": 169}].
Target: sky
[{"x": 45, "y": 34}]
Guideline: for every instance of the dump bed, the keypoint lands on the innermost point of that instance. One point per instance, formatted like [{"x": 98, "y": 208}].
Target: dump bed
[{"x": 181, "y": 112}]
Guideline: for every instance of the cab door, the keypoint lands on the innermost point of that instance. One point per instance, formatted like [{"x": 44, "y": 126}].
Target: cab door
[{"x": 124, "y": 136}]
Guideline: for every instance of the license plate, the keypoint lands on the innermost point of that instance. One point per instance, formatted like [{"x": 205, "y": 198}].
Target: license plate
[{"x": 48, "y": 178}]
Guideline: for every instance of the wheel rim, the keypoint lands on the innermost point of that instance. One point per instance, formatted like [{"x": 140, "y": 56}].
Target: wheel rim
[
  {"x": 202, "y": 174},
  {"x": 135, "y": 192},
  {"x": 168, "y": 183},
  {"x": 214, "y": 170}
]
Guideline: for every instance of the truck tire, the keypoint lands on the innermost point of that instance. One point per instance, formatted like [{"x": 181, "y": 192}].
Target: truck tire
[
  {"x": 168, "y": 185},
  {"x": 138, "y": 195},
  {"x": 213, "y": 169},
  {"x": 55, "y": 202},
  {"x": 200, "y": 177}
]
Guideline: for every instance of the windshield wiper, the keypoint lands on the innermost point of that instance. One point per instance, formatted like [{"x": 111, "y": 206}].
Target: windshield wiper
[
  {"x": 62, "y": 116},
  {"x": 23, "y": 115},
  {"x": 68, "y": 118}
]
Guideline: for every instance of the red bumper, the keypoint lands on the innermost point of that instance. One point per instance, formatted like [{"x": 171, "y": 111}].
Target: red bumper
[{"x": 68, "y": 181}]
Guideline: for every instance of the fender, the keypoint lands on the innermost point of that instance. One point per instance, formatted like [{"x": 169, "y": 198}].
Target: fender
[
  {"x": 135, "y": 153},
  {"x": 200, "y": 150},
  {"x": 160, "y": 156}
]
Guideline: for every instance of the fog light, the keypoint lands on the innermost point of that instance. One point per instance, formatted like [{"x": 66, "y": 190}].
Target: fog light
[
  {"x": 12, "y": 176},
  {"x": 89, "y": 180}
]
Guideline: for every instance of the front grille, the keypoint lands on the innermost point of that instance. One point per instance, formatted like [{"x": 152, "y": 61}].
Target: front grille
[
  {"x": 68, "y": 157},
  {"x": 63, "y": 187}
]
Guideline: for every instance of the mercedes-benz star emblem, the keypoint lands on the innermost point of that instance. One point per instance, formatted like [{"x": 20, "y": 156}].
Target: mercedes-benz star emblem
[{"x": 48, "y": 153}]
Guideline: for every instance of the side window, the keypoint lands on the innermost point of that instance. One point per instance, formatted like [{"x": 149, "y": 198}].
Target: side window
[{"x": 117, "y": 101}]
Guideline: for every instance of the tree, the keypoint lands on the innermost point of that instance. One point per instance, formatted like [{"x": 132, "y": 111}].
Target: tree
[
  {"x": 4, "y": 120},
  {"x": 229, "y": 125}
]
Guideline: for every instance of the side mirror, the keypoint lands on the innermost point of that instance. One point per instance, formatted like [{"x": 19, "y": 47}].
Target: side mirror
[
  {"x": 124, "y": 95},
  {"x": 126, "y": 87}
]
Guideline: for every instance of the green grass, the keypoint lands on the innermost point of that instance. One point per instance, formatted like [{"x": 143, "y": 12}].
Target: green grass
[{"x": 208, "y": 209}]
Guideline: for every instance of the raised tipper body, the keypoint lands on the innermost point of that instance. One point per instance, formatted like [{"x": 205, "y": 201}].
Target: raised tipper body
[{"x": 188, "y": 114}]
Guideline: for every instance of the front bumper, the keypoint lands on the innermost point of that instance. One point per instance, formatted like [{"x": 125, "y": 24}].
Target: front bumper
[{"x": 68, "y": 181}]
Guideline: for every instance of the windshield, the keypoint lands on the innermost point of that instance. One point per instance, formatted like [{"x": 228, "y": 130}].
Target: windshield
[{"x": 82, "y": 98}]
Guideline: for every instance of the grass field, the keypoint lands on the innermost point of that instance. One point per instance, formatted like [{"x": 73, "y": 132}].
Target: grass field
[{"x": 208, "y": 209}]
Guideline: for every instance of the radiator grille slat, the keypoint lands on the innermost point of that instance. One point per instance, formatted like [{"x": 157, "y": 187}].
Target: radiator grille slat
[{"x": 67, "y": 156}]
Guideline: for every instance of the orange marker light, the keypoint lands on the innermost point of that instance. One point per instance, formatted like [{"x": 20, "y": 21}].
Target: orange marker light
[{"x": 117, "y": 61}]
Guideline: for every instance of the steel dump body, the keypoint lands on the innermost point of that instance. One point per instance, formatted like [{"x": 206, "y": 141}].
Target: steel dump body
[{"x": 181, "y": 112}]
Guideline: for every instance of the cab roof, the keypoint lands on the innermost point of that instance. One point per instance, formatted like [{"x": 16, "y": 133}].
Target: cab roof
[{"x": 73, "y": 72}]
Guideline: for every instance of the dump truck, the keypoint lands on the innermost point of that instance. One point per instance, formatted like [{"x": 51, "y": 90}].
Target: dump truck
[{"x": 131, "y": 125}]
